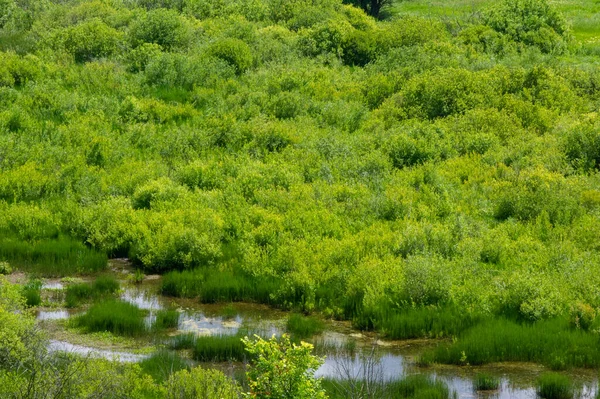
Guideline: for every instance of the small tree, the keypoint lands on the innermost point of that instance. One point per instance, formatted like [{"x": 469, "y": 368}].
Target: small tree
[{"x": 280, "y": 369}]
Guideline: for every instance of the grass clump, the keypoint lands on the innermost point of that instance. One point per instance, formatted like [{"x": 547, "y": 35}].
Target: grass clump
[
  {"x": 101, "y": 287},
  {"x": 32, "y": 293},
  {"x": 162, "y": 364},
  {"x": 213, "y": 286},
  {"x": 555, "y": 386},
  {"x": 52, "y": 258},
  {"x": 418, "y": 386},
  {"x": 304, "y": 327},
  {"x": 117, "y": 317},
  {"x": 486, "y": 382},
  {"x": 217, "y": 348},
  {"x": 550, "y": 342},
  {"x": 166, "y": 319}
]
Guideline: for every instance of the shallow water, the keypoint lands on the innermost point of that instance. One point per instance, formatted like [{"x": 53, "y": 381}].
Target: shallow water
[
  {"x": 369, "y": 357},
  {"x": 53, "y": 285},
  {"x": 125, "y": 357},
  {"x": 44, "y": 315}
]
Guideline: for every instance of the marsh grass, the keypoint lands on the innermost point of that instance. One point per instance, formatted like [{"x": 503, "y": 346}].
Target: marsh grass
[
  {"x": 102, "y": 287},
  {"x": 304, "y": 326},
  {"x": 213, "y": 286},
  {"x": 117, "y": 317},
  {"x": 32, "y": 293},
  {"x": 217, "y": 348},
  {"x": 166, "y": 319},
  {"x": 551, "y": 342},
  {"x": 162, "y": 364},
  {"x": 52, "y": 258},
  {"x": 411, "y": 387},
  {"x": 418, "y": 322},
  {"x": 486, "y": 382},
  {"x": 555, "y": 386}
]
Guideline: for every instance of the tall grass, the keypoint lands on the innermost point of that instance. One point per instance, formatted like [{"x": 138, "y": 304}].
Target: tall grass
[
  {"x": 550, "y": 342},
  {"x": 555, "y": 386},
  {"x": 32, "y": 293},
  {"x": 411, "y": 387},
  {"x": 304, "y": 327},
  {"x": 101, "y": 287},
  {"x": 166, "y": 319},
  {"x": 486, "y": 382},
  {"x": 162, "y": 364},
  {"x": 218, "y": 348},
  {"x": 213, "y": 285},
  {"x": 419, "y": 322},
  {"x": 52, "y": 258},
  {"x": 117, "y": 317}
]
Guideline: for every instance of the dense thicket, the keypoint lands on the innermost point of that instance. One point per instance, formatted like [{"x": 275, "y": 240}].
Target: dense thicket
[{"x": 359, "y": 167}]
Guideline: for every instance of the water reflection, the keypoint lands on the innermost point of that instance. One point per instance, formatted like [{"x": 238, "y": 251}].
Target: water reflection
[
  {"x": 125, "y": 357},
  {"x": 44, "y": 315},
  {"x": 52, "y": 285}
]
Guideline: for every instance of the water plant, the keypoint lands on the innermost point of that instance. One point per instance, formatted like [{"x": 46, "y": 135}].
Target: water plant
[
  {"x": 304, "y": 326},
  {"x": 117, "y": 317},
  {"x": 165, "y": 319},
  {"x": 486, "y": 382},
  {"x": 418, "y": 386},
  {"x": 52, "y": 258},
  {"x": 32, "y": 292},
  {"x": 101, "y": 287},
  {"x": 554, "y": 386},
  {"x": 211, "y": 348},
  {"x": 549, "y": 342}
]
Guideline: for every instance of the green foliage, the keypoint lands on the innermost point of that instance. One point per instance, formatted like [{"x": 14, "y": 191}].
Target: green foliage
[
  {"x": 90, "y": 40},
  {"x": 220, "y": 348},
  {"x": 162, "y": 364},
  {"x": 161, "y": 26},
  {"x": 101, "y": 287},
  {"x": 486, "y": 382},
  {"x": 419, "y": 386},
  {"x": 32, "y": 293},
  {"x": 52, "y": 258},
  {"x": 117, "y": 317},
  {"x": 550, "y": 342},
  {"x": 5, "y": 268},
  {"x": 303, "y": 326},
  {"x": 201, "y": 383},
  {"x": 280, "y": 369},
  {"x": 233, "y": 51},
  {"x": 555, "y": 386},
  {"x": 532, "y": 22},
  {"x": 166, "y": 319}
]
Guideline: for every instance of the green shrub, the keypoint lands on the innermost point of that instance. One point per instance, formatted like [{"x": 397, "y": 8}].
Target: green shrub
[
  {"x": 532, "y": 22},
  {"x": 234, "y": 51},
  {"x": 303, "y": 327},
  {"x": 555, "y": 386},
  {"x": 163, "y": 27},
  {"x": 91, "y": 40},
  {"x": 5, "y": 268},
  {"x": 201, "y": 383},
  {"x": 117, "y": 317},
  {"x": 486, "y": 382}
]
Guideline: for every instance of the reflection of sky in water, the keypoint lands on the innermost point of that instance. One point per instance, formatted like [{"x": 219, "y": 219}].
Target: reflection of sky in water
[
  {"x": 61, "y": 346},
  {"x": 200, "y": 324},
  {"x": 52, "y": 315},
  {"x": 387, "y": 367},
  {"x": 52, "y": 285},
  {"x": 142, "y": 299}
]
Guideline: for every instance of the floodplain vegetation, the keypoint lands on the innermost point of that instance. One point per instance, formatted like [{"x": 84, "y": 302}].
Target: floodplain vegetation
[{"x": 434, "y": 174}]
